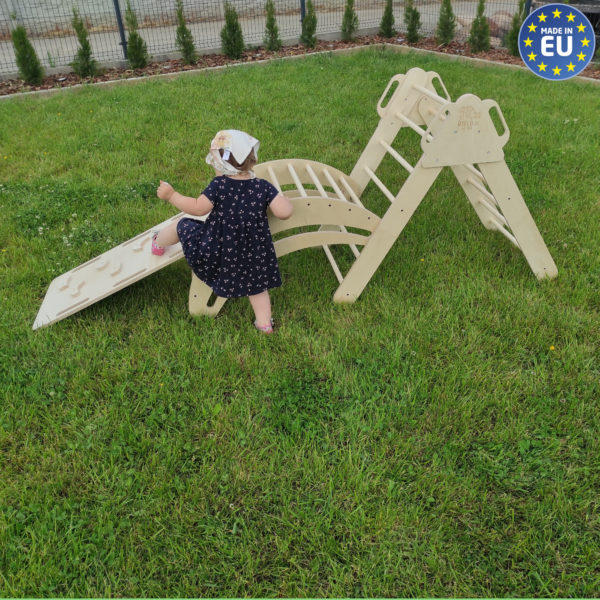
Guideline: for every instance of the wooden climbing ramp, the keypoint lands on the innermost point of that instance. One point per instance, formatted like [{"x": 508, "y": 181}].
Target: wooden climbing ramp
[{"x": 467, "y": 135}]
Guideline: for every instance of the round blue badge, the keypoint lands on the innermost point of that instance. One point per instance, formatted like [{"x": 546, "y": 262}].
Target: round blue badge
[{"x": 556, "y": 41}]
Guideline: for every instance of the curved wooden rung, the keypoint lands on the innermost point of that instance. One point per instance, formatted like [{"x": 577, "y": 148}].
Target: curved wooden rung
[{"x": 283, "y": 175}]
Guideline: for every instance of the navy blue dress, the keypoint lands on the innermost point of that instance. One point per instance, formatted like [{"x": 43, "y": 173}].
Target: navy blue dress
[{"x": 232, "y": 251}]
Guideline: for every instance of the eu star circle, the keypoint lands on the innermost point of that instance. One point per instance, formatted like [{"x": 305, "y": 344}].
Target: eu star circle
[{"x": 556, "y": 42}]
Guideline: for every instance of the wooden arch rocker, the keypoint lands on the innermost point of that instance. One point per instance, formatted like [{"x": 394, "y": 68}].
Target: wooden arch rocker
[{"x": 460, "y": 135}]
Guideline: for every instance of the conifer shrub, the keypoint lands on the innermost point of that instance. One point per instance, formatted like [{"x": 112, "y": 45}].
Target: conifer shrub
[
  {"x": 512, "y": 37},
  {"x": 479, "y": 36},
  {"x": 183, "y": 38},
  {"x": 412, "y": 20},
  {"x": 349, "y": 22},
  {"x": 386, "y": 27},
  {"x": 272, "y": 40},
  {"x": 308, "y": 36},
  {"x": 232, "y": 39},
  {"x": 137, "y": 51},
  {"x": 446, "y": 24},
  {"x": 83, "y": 64},
  {"x": 30, "y": 67}
]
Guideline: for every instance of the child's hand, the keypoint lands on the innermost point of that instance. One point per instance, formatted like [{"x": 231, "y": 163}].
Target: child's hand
[{"x": 165, "y": 191}]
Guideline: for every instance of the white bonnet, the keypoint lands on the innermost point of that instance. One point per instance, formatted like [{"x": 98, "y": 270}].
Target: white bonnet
[{"x": 239, "y": 143}]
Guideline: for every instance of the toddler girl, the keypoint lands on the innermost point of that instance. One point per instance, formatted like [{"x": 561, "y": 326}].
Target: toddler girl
[{"x": 232, "y": 251}]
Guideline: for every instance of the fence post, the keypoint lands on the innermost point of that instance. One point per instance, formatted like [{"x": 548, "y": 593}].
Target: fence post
[
  {"x": 123, "y": 41},
  {"x": 302, "y": 10}
]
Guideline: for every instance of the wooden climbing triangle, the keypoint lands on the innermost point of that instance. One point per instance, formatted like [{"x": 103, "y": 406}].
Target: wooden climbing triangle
[{"x": 462, "y": 135}]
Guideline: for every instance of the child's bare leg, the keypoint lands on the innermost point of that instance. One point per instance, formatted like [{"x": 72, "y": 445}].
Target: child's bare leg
[
  {"x": 261, "y": 304},
  {"x": 167, "y": 236}
]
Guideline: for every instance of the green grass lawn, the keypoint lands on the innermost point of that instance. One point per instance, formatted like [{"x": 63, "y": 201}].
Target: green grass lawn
[{"x": 439, "y": 437}]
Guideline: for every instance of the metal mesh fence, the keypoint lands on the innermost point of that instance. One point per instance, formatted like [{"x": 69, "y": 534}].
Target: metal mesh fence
[{"x": 48, "y": 23}]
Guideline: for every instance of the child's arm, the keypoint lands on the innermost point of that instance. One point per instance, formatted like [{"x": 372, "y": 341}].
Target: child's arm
[
  {"x": 281, "y": 207},
  {"x": 192, "y": 206}
]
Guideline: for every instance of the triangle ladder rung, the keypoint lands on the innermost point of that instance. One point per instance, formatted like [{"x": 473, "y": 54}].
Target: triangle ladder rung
[
  {"x": 511, "y": 238},
  {"x": 380, "y": 185},
  {"x": 474, "y": 171},
  {"x": 397, "y": 156},
  {"x": 489, "y": 207},
  {"x": 414, "y": 126},
  {"x": 431, "y": 94},
  {"x": 485, "y": 192}
]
